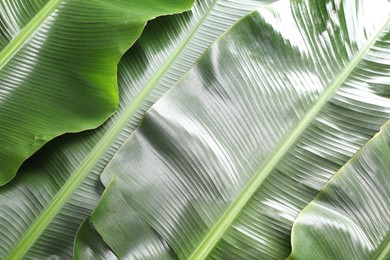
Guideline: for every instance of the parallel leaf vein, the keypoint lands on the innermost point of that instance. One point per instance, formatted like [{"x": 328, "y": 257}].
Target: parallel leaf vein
[
  {"x": 11, "y": 49},
  {"x": 61, "y": 198},
  {"x": 225, "y": 222}
]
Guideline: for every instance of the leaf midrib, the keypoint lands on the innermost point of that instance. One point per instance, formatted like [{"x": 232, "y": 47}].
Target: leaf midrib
[
  {"x": 61, "y": 198},
  {"x": 226, "y": 221},
  {"x": 385, "y": 250},
  {"x": 22, "y": 37}
]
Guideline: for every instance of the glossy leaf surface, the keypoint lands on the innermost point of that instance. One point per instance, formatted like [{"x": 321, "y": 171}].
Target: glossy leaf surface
[
  {"x": 350, "y": 217},
  {"x": 15, "y": 15},
  {"x": 222, "y": 164},
  {"x": 58, "y": 71},
  {"x": 91, "y": 246},
  {"x": 41, "y": 209}
]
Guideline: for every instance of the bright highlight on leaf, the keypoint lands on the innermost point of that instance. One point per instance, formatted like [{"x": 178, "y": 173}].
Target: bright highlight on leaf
[
  {"x": 350, "y": 217},
  {"x": 221, "y": 166},
  {"x": 59, "y": 186},
  {"x": 58, "y": 67},
  {"x": 224, "y": 164}
]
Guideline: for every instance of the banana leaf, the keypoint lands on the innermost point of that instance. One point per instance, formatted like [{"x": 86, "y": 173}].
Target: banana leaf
[
  {"x": 41, "y": 209},
  {"x": 223, "y": 163},
  {"x": 91, "y": 246},
  {"x": 58, "y": 67},
  {"x": 350, "y": 217}
]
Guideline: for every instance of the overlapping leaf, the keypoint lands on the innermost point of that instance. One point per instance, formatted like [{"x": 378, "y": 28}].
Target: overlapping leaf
[
  {"x": 58, "y": 71},
  {"x": 41, "y": 209},
  {"x": 222, "y": 164},
  {"x": 350, "y": 217},
  {"x": 90, "y": 245}
]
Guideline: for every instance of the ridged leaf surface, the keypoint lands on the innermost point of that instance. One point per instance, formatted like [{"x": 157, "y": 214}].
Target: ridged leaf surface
[
  {"x": 58, "y": 67},
  {"x": 41, "y": 209},
  {"x": 222, "y": 164},
  {"x": 350, "y": 217}
]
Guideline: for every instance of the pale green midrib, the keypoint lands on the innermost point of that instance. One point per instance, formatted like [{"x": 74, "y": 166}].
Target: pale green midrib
[
  {"x": 59, "y": 201},
  {"x": 386, "y": 249},
  {"x": 226, "y": 220},
  {"x": 16, "y": 43}
]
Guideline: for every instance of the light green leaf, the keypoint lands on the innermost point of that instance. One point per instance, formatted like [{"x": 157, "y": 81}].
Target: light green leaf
[
  {"x": 350, "y": 217},
  {"x": 58, "y": 67},
  {"x": 41, "y": 209},
  {"x": 222, "y": 164}
]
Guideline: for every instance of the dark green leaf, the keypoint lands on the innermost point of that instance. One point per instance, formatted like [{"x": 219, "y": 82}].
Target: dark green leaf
[
  {"x": 41, "y": 209},
  {"x": 58, "y": 71},
  {"x": 91, "y": 246}
]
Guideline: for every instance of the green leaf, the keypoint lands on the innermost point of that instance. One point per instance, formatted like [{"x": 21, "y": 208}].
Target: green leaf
[
  {"x": 58, "y": 67},
  {"x": 15, "y": 16},
  {"x": 128, "y": 245},
  {"x": 350, "y": 217},
  {"x": 91, "y": 246},
  {"x": 222, "y": 164},
  {"x": 41, "y": 209}
]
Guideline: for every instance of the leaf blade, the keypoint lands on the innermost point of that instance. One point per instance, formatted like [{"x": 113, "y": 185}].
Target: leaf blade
[
  {"x": 354, "y": 209},
  {"x": 63, "y": 158},
  {"x": 51, "y": 67},
  {"x": 182, "y": 166}
]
